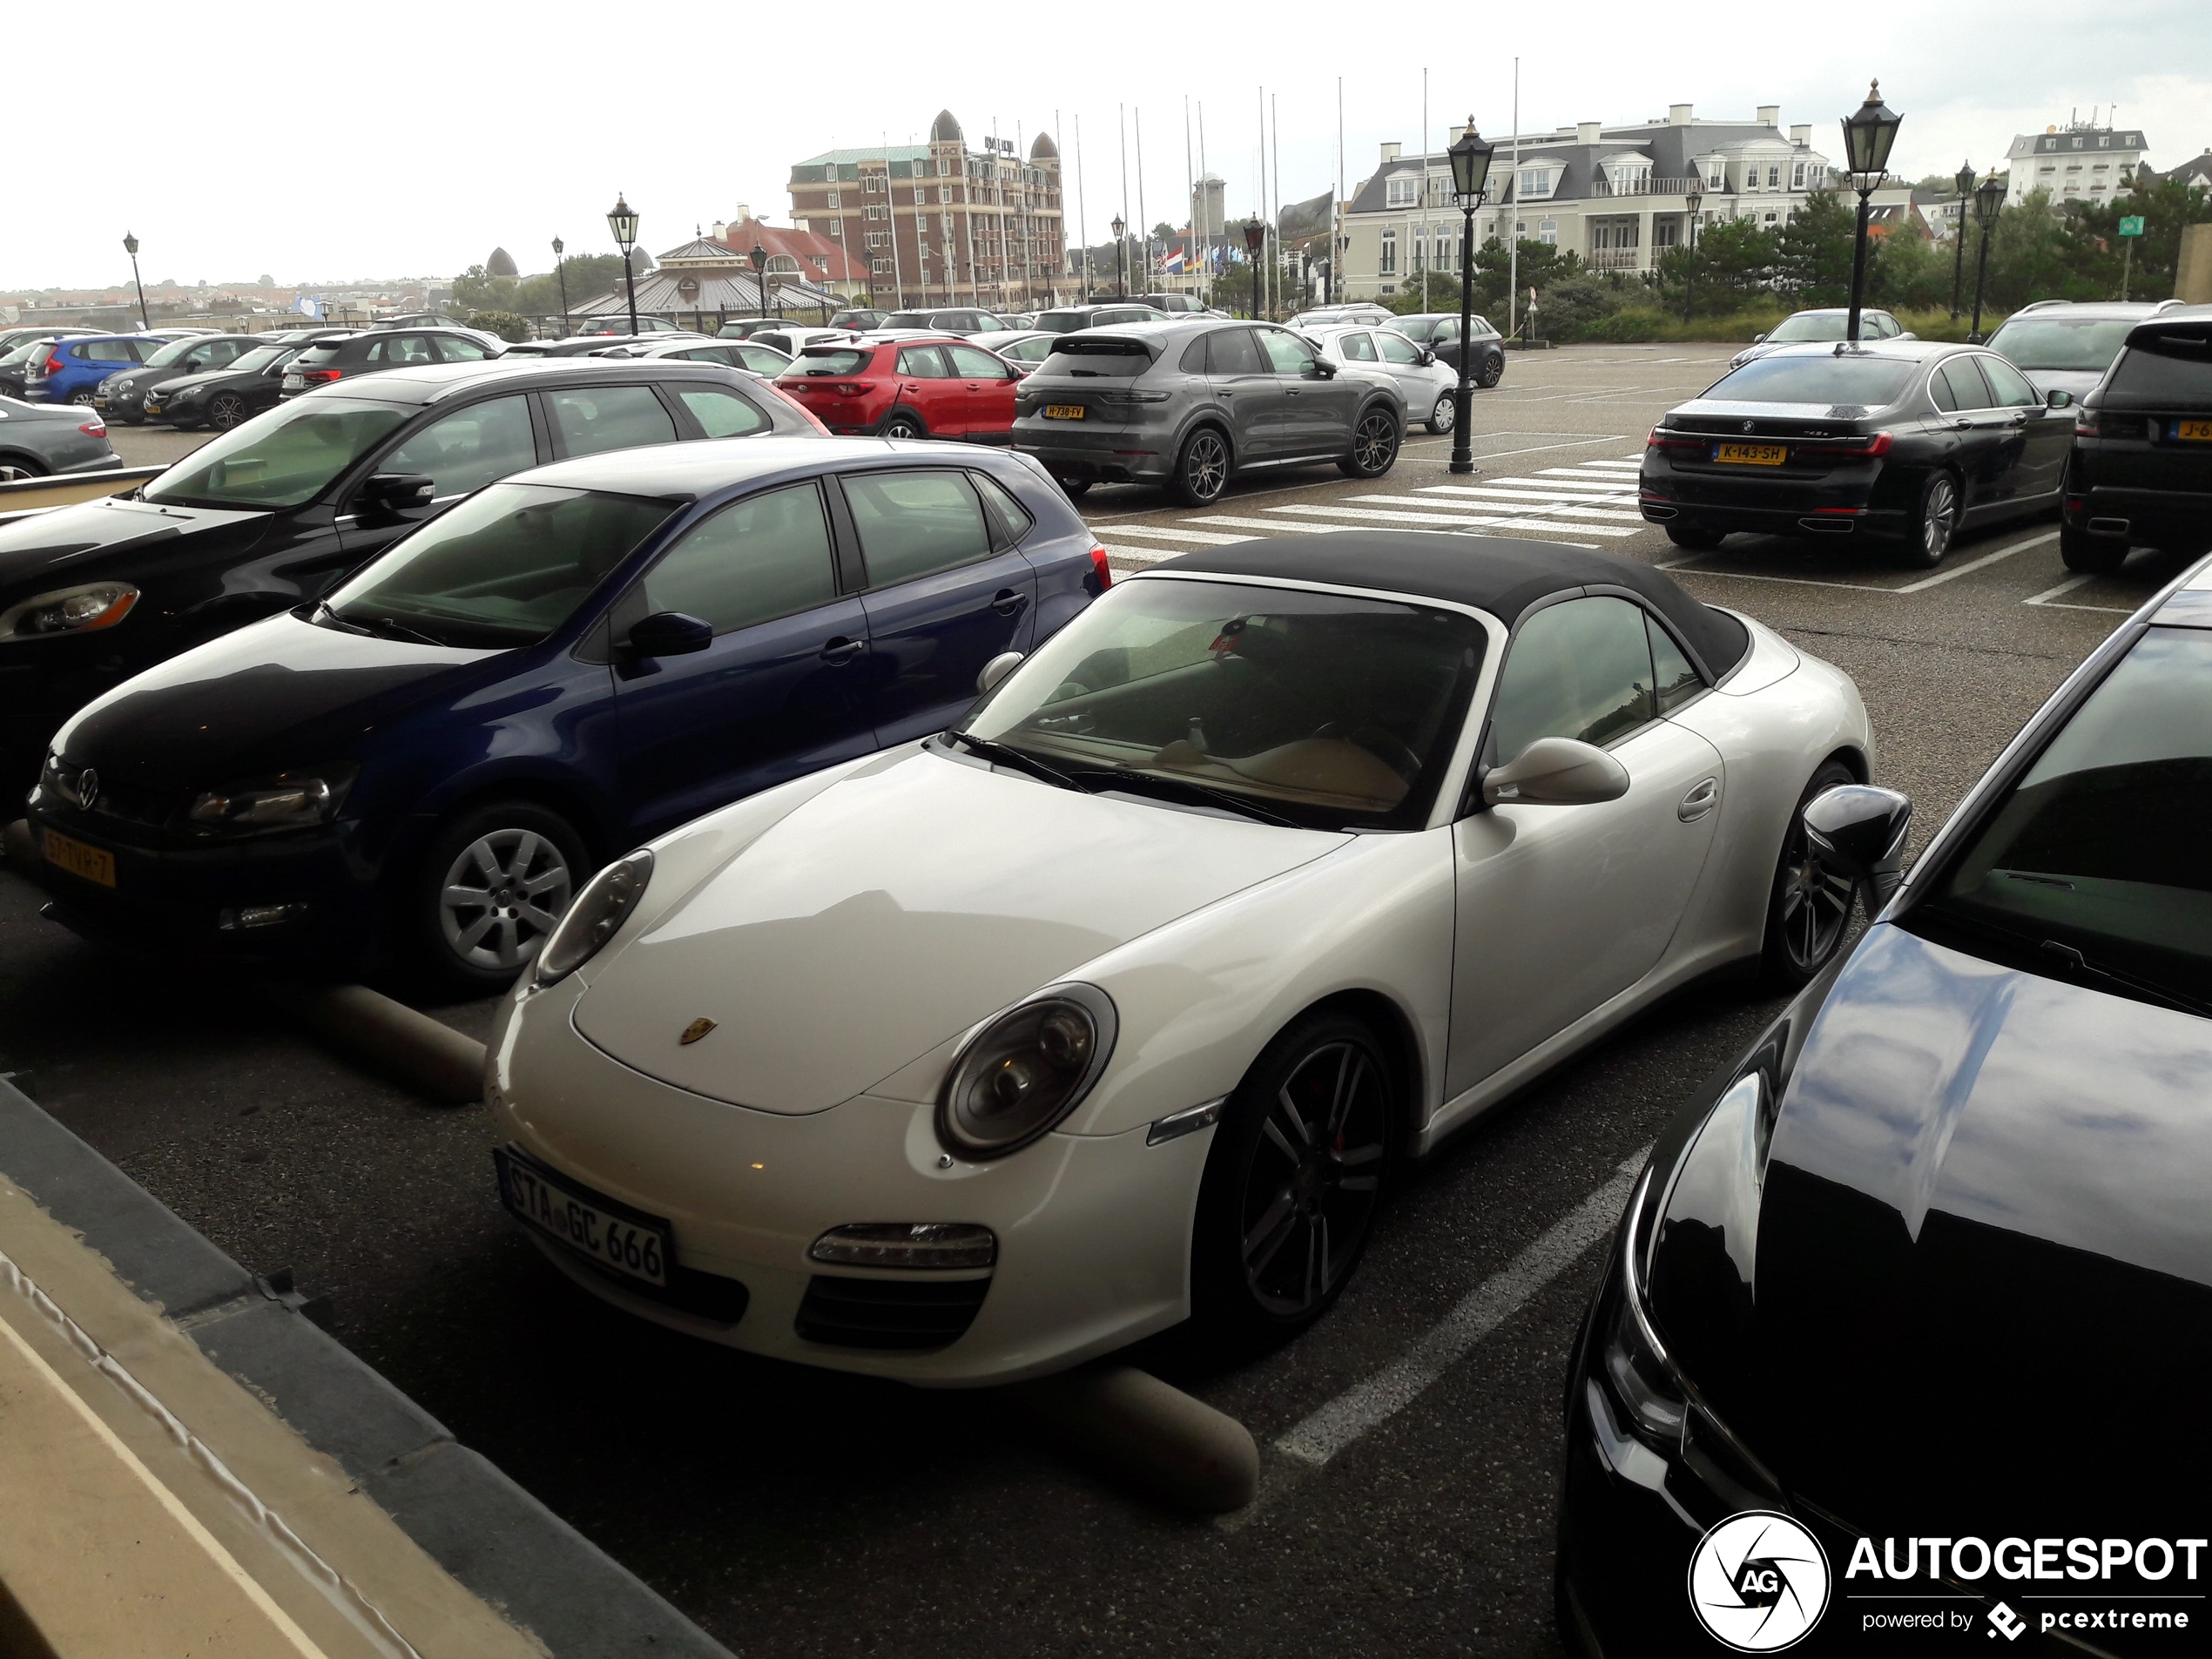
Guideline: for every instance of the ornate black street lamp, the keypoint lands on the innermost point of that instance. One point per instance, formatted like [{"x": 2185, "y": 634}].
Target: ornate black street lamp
[
  {"x": 1121, "y": 280},
  {"x": 621, "y": 219},
  {"x": 1470, "y": 157},
  {"x": 759, "y": 258},
  {"x": 1868, "y": 133},
  {"x": 1965, "y": 183},
  {"x": 1989, "y": 201},
  {"x": 1693, "y": 199},
  {"x": 1255, "y": 238},
  {"x": 561, "y": 270},
  {"x": 130, "y": 246}
]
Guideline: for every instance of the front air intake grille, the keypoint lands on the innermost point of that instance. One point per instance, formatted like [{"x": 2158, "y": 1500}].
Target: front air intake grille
[{"x": 909, "y": 1314}]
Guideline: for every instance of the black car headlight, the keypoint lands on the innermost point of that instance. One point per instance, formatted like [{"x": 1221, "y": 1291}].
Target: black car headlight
[
  {"x": 594, "y": 916},
  {"x": 1026, "y": 1071},
  {"x": 68, "y": 610},
  {"x": 289, "y": 801}
]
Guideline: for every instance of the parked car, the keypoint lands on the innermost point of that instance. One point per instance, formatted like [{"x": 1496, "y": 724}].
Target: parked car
[
  {"x": 595, "y": 345},
  {"x": 1906, "y": 442},
  {"x": 860, "y": 319},
  {"x": 1063, "y": 320},
  {"x": 12, "y": 339},
  {"x": 1024, "y": 349},
  {"x": 1363, "y": 312},
  {"x": 1823, "y": 326},
  {"x": 905, "y": 386},
  {"x": 1017, "y": 320},
  {"x": 1428, "y": 387},
  {"x": 737, "y": 353},
  {"x": 1189, "y": 405},
  {"x": 964, "y": 321},
  {"x": 37, "y": 439},
  {"x": 2068, "y": 347},
  {"x": 70, "y": 371},
  {"x": 792, "y": 339},
  {"x": 276, "y": 512},
  {"x": 577, "y": 659},
  {"x": 15, "y": 364},
  {"x": 2139, "y": 473},
  {"x": 1439, "y": 332},
  {"x": 122, "y": 396},
  {"x": 341, "y": 356},
  {"x": 223, "y": 398},
  {"x": 1175, "y": 305},
  {"x": 618, "y": 323},
  {"x": 1107, "y": 1007},
  {"x": 1982, "y": 1134}
]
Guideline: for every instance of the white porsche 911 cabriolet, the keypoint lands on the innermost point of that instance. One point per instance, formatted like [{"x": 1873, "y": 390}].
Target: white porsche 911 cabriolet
[{"x": 1116, "y": 1004}]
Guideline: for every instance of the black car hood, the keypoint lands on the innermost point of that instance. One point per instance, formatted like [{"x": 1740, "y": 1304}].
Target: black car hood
[
  {"x": 277, "y": 693},
  {"x": 1983, "y": 1283},
  {"x": 52, "y": 544},
  {"x": 208, "y": 377}
]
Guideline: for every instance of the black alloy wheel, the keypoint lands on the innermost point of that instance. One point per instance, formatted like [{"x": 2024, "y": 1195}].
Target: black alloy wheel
[
  {"x": 1446, "y": 415},
  {"x": 904, "y": 425},
  {"x": 2091, "y": 555},
  {"x": 489, "y": 890},
  {"x": 1492, "y": 370},
  {"x": 1201, "y": 469},
  {"x": 1291, "y": 1183},
  {"x": 1374, "y": 445},
  {"x": 1696, "y": 537},
  {"x": 225, "y": 410},
  {"x": 1935, "y": 521},
  {"x": 1074, "y": 488},
  {"x": 1810, "y": 911}
]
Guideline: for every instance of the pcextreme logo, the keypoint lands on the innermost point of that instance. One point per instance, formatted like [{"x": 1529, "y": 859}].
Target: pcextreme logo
[{"x": 1758, "y": 1582}]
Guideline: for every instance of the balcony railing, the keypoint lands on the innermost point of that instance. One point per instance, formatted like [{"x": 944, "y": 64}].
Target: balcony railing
[
  {"x": 1616, "y": 258},
  {"x": 1605, "y": 187}
]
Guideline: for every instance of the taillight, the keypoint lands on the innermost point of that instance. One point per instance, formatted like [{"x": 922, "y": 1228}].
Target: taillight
[
  {"x": 1100, "y": 567},
  {"x": 1864, "y": 450},
  {"x": 54, "y": 363},
  {"x": 2085, "y": 425},
  {"x": 94, "y": 428},
  {"x": 322, "y": 376},
  {"x": 1660, "y": 438}
]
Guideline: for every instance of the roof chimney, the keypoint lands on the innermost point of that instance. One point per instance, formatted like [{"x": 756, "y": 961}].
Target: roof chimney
[
  {"x": 1587, "y": 132},
  {"x": 1390, "y": 152},
  {"x": 744, "y": 213},
  {"x": 1770, "y": 115},
  {"x": 720, "y": 230},
  {"x": 1801, "y": 136},
  {"x": 1678, "y": 115}
]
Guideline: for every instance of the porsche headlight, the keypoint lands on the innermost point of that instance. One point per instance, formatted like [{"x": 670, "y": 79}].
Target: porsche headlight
[
  {"x": 68, "y": 610},
  {"x": 595, "y": 917},
  {"x": 289, "y": 801},
  {"x": 1026, "y": 1071}
]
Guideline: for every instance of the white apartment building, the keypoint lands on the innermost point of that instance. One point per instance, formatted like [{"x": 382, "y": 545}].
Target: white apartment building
[{"x": 2080, "y": 161}]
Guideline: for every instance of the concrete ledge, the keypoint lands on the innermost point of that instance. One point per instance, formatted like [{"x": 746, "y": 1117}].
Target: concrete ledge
[
  {"x": 1149, "y": 1434},
  {"x": 425, "y": 1054}
]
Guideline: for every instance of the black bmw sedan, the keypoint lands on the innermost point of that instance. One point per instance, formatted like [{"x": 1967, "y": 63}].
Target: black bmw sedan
[
  {"x": 1925, "y": 1281},
  {"x": 278, "y": 510},
  {"x": 2140, "y": 474},
  {"x": 1904, "y": 442}
]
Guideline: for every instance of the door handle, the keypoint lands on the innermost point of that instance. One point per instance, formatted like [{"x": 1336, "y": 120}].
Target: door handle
[
  {"x": 1964, "y": 426},
  {"x": 1702, "y": 798},
  {"x": 1008, "y": 602},
  {"x": 841, "y": 650}
]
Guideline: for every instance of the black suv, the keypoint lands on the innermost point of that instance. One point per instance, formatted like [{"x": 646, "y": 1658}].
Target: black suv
[
  {"x": 277, "y": 511},
  {"x": 2139, "y": 473},
  {"x": 374, "y": 351}
]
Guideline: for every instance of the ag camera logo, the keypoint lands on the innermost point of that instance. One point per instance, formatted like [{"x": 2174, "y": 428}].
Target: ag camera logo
[{"x": 1758, "y": 1582}]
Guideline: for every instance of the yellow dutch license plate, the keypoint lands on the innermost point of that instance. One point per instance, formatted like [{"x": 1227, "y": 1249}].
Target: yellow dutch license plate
[
  {"x": 87, "y": 863},
  {"x": 2193, "y": 431},
  {"x": 1752, "y": 455},
  {"x": 1063, "y": 411}
]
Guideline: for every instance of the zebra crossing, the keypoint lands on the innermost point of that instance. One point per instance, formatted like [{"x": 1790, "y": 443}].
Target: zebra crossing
[{"x": 1592, "y": 499}]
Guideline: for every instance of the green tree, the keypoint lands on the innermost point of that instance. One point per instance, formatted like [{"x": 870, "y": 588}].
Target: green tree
[
  {"x": 1733, "y": 264},
  {"x": 2031, "y": 256},
  {"x": 1813, "y": 251},
  {"x": 477, "y": 290},
  {"x": 1906, "y": 271},
  {"x": 2165, "y": 209},
  {"x": 1539, "y": 264}
]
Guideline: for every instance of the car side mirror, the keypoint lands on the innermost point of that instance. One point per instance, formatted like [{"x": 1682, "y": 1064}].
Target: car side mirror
[
  {"x": 1758, "y": 340},
  {"x": 2058, "y": 399},
  {"x": 1323, "y": 369},
  {"x": 1428, "y": 358},
  {"x": 669, "y": 633},
  {"x": 398, "y": 491},
  {"x": 1556, "y": 771},
  {"x": 997, "y": 669},
  {"x": 1908, "y": 334},
  {"x": 1859, "y": 831}
]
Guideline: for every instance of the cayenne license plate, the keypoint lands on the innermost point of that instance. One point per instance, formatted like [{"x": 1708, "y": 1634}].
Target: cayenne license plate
[
  {"x": 86, "y": 863},
  {"x": 1751, "y": 455},
  {"x": 2193, "y": 431},
  {"x": 598, "y": 1228},
  {"x": 1063, "y": 411}
]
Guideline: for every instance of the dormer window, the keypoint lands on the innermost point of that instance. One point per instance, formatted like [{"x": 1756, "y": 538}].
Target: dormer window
[
  {"x": 1797, "y": 175},
  {"x": 1536, "y": 181},
  {"x": 1402, "y": 191}
]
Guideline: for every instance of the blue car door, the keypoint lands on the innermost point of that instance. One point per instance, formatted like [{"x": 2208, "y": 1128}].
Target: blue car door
[
  {"x": 947, "y": 590},
  {"x": 782, "y": 689}
]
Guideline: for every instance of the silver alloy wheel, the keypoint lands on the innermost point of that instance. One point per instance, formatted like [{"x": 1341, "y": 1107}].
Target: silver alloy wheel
[
  {"x": 1205, "y": 465},
  {"x": 1375, "y": 444},
  {"x": 225, "y": 410},
  {"x": 501, "y": 898},
  {"x": 1446, "y": 415},
  {"x": 82, "y": 399},
  {"x": 15, "y": 472},
  {"x": 1315, "y": 1172},
  {"x": 1939, "y": 519},
  {"x": 903, "y": 426}
]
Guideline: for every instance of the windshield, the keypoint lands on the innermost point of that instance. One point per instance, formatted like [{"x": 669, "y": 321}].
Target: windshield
[
  {"x": 834, "y": 361},
  {"x": 262, "y": 356},
  {"x": 279, "y": 459},
  {"x": 2070, "y": 343},
  {"x": 1415, "y": 327},
  {"x": 172, "y": 351},
  {"x": 2100, "y": 849},
  {"x": 1868, "y": 382},
  {"x": 1062, "y": 322},
  {"x": 907, "y": 320},
  {"x": 1335, "y": 711},
  {"x": 2165, "y": 369},
  {"x": 24, "y": 350},
  {"x": 1815, "y": 325},
  {"x": 503, "y": 569}
]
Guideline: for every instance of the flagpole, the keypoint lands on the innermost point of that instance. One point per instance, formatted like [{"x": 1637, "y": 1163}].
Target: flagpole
[
  {"x": 1275, "y": 219},
  {"x": 1513, "y": 218},
  {"x": 1423, "y": 241},
  {"x": 1336, "y": 212},
  {"x": 1142, "y": 221}
]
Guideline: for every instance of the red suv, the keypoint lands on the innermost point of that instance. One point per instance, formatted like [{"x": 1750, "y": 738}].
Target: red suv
[{"x": 908, "y": 388}]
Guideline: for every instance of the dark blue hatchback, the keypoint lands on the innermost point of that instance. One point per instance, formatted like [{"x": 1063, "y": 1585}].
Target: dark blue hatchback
[{"x": 426, "y": 766}]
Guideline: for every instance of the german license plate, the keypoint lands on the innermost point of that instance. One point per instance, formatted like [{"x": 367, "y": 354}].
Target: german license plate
[
  {"x": 2193, "y": 431},
  {"x": 599, "y": 1228},
  {"x": 1751, "y": 455},
  {"x": 100, "y": 400},
  {"x": 1063, "y": 411},
  {"x": 86, "y": 863},
  {"x": 152, "y": 406},
  {"x": 294, "y": 383}
]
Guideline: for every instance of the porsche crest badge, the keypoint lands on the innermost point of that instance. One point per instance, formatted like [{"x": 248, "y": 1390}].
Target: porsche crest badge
[{"x": 697, "y": 1029}]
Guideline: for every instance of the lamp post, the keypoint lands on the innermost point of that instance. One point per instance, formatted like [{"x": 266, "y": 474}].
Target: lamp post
[
  {"x": 1693, "y": 199},
  {"x": 1121, "y": 281},
  {"x": 621, "y": 219},
  {"x": 1989, "y": 201},
  {"x": 130, "y": 246},
  {"x": 561, "y": 270},
  {"x": 1965, "y": 183},
  {"x": 1254, "y": 234},
  {"x": 1868, "y": 133},
  {"x": 759, "y": 258},
  {"x": 1470, "y": 157}
]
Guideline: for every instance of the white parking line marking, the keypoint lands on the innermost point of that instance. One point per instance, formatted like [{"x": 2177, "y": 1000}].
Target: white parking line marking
[
  {"x": 1380, "y": 519},
  {"x": 1572, "y": 504},
  {"x": 1573, "y": 474},
  {"x": 1692, "y": 564},
  {"x": 1500, "y": 455},
  {"x": 1167, "y": 535},
  {"x": 1498, "y": 492},
  {"x": 1971, "y": 566},
  {"x": 1141, "y": 555},
  {"x": 1271, "y": 525},
  {"x": 2066, "y": 586}
]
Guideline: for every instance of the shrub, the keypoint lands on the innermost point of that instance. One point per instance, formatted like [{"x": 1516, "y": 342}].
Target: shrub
[{"x": 505, "y": 324}]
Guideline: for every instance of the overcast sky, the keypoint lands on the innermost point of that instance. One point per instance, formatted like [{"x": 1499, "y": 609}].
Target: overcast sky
[{"x": 298, "y": 143}]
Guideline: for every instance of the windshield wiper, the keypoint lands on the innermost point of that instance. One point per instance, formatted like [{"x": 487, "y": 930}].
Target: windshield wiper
[
  {"x": 2067, "y": 959},
  {"x": 1152, "y": 783},
  {"x": 1001, "y": 755},
  {"x": 324, "y": 612},
  {"x": 391, "y": 628}
]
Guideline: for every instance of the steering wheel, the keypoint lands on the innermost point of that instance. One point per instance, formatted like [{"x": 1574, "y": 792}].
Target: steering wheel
[{"x": 1398, "y": 757}]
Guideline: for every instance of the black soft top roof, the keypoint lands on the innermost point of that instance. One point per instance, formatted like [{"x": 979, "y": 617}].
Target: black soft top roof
[{"x": 1503, "y": 575}]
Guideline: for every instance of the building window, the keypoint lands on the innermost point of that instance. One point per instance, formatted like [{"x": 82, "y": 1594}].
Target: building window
[
  {"x": 1717, "y": 179},
  {"x": 1797, "y": 175},
  {"x": 1665, "y": 232},
  {"x": 882, "y": 267},
  {"x": 1774, "y": 178},
  {"x": 833, "y": 200},
  {"x": 1548, "y": 232},
  {"x": 1401, "y": 191},
  {"x": 1536, "y": 181},
  {"x": 1389, "y": 266},
  {"x": 873, "y": 183}
]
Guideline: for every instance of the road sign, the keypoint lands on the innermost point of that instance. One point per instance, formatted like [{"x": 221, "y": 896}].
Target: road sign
[{"x": 2132, "y": 226}]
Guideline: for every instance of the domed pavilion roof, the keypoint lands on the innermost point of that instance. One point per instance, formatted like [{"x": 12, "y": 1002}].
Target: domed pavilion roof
[
  {"x": 1044, "y": 148},
  {"x": 944, "y": 129},
  {"x": 501, "y": 263}
]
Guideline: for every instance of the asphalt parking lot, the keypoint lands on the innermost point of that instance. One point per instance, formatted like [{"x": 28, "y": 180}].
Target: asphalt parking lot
[{"x": 792, "y": 1512}]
